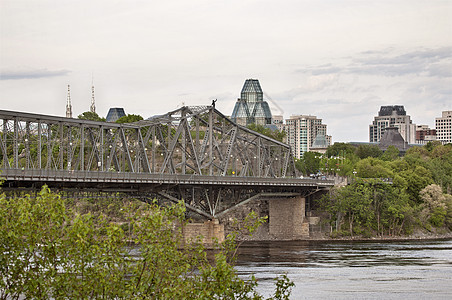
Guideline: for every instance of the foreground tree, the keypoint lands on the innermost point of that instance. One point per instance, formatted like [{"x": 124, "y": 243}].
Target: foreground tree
[{"x": 48, "y": 251}]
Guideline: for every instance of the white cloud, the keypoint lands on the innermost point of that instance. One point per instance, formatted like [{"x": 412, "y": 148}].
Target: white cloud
[{"x": 339, "y": 60}]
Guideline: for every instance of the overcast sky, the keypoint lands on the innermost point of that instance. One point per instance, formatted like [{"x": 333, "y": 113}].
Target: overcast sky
[{"x": 338, "y": 60}]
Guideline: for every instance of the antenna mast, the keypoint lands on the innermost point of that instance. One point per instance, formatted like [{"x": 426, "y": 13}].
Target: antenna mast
[{"x": 68, "y": 103}]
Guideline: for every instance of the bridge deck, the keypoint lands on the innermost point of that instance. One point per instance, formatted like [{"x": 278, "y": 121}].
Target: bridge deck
[{"x": 99, "y": 177}]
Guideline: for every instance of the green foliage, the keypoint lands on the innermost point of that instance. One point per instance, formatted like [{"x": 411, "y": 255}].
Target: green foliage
[
  {"x": 309, "y": 163},
  {"x": 274, "y": 134},
  {"x": 340, "y": 149},
  {"x": 49, "y": 251},
  {"x": 88, "y": 115},
  {"x": 436, "y": 206},
  {"x": 392, "y": 153},
  {"x": 364, "y": 151},
  {"x": 130, "y": 118},
  {"x": 366, "y": 206},
  {"x": 373, "y": 168},
  {"x": 416, "y": 179}
]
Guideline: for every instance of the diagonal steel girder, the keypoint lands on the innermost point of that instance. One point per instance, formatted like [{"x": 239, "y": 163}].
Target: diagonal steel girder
[{"x": 189, "y": 140}]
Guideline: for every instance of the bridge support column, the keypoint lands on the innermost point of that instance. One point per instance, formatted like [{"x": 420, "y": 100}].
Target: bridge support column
[
  {"x": 208, "y": 232},
  {"x": 287, "y": 219}
]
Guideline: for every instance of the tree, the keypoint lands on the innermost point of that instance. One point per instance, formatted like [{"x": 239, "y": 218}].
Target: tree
[
  {"x": 340, "y": 149},
  {"x": 373, "y": 168},
  {"x": 392, "y": 153},
  {"x": 364, "y": 151},
  {"x": 48, "y": 251},
  {"x": 130, "y": 118},
  {"x": 92, "y": 116},
  {"x": 352, "y": 202},
  {"x": 436, "y": 205},
  {"x": 309, "y": 163},
  {"x": 416, "y": 179},
  {"x": 274, "y": 134}
]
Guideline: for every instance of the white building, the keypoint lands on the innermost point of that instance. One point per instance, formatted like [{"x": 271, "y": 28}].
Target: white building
[
  {"x": 444, "y": 127},
  {"x": 392, "y": 116},
  {"x": 301, "y": 132}
]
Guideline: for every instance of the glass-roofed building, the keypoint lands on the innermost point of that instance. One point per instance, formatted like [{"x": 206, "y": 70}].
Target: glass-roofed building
[
  {"x": 250, "y": 107},
  {"x": 115, "y": 113}
]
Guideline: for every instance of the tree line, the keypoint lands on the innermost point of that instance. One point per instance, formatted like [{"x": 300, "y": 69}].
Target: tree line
[{"x": 387, "y": 194}]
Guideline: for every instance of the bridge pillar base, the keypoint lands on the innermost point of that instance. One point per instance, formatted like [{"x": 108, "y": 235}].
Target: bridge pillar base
[
  {"x": 287, "y": 219},
  {"x": 208, "y": 232}
]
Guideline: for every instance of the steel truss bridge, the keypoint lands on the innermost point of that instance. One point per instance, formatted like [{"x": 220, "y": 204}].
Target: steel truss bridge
[{"x": 193, "y": 153}]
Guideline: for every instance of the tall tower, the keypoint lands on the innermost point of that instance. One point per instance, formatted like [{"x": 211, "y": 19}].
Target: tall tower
[
  {"x": 68, "y": 103},
  {"x": 93, "y": 104}
]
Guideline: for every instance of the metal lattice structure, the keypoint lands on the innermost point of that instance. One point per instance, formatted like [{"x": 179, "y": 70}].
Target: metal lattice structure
[{"x": 192, "y": 153}]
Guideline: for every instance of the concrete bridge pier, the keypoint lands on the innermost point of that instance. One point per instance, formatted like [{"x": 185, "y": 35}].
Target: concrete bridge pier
[
  {"x": 208, "y": 233},
  {"x": 287, "y": 218}
]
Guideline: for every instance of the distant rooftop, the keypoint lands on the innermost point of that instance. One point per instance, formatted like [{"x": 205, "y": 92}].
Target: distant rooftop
[
  {"x": 115, "y": 113},
  {"x": 391, "y": 109},
  {"x": 320, "y": 142},
  {"x": 392, "y": 137}
]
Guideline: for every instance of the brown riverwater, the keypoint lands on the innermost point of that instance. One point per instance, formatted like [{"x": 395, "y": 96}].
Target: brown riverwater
[{"x": 353, "y": 270}]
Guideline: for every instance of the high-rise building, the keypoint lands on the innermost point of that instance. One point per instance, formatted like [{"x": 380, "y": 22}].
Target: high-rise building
[
  {"x": 444, "y": 127},
  {"x": 251, "y": 108},
  {"x": 392, "y": 116},
  {"x": 302, "y": 130}
]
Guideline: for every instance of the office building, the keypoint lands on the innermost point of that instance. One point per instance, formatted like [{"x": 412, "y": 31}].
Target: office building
[
  {"x": 301, "y": 132},
  {"x": 392, "y": 116},
  {"x": 424, "y": 134},
  {"x": 444, "y": 127}
]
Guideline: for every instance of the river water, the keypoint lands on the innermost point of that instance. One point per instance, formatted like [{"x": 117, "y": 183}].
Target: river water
[{"x": 352, "y": 270}]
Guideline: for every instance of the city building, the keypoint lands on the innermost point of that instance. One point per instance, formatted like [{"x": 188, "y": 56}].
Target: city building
[
  {"x": 115, "y": 113},
  {"x": 301, "y": 132},
  {"x": 278, "y": 121},
  {"x": 392, "y": 137},
  {"x": 251, "y": 108},
  {"x": 444, "y": 127},
  {"x": 392, "y": 116},
  {"x": 320, "y": 144},
  {"x": 424, "y": 134}
]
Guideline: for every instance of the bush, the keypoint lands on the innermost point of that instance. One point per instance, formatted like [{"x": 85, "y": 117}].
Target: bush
[{"x": 48, "y": 251}]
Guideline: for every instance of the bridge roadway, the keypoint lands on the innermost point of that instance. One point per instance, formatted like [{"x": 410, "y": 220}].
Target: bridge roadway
[
  {"x": 234, "y": 190},
  {"x": 22, "y": 177}
]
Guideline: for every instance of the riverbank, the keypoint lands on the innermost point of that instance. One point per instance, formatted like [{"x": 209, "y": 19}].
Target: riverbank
[{"x": 418, "y": 235}]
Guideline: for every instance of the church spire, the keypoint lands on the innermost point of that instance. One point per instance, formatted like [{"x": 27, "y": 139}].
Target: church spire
[
  {"x": 68, "y": 103},
  {"x": 93, "y": 103}
]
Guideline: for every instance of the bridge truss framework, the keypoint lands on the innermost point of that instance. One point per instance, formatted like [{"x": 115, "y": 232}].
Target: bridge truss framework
[{"x": 193, "y": 153}]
